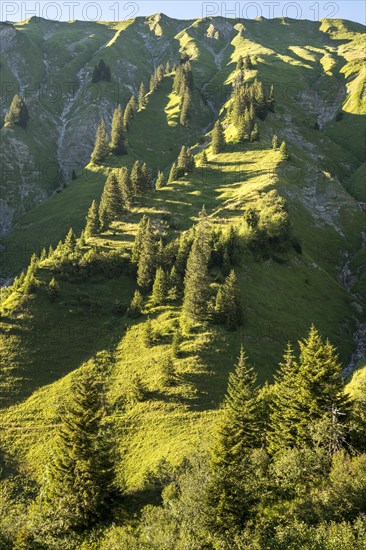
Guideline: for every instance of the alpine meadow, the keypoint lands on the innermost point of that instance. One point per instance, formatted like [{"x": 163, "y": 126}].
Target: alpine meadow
[{"x": 183, "y": 284}]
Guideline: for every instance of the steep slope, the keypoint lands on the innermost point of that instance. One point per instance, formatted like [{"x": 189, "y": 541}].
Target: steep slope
[{"x": 281, "y": 296}]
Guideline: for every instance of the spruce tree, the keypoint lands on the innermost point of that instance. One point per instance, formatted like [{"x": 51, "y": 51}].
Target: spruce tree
[
  {"x": 142, "y": 96},
  {"x": 204, "y": 160},
  {"x": 69, "y": 243},
  {"x": 228, "y": 308},
  {"x": 118, "y": 138},
  {"x": 160, "y": 288},
  {"x": 101, "y": 147},
  {"x": 53, "y": 289},
  {"x": 137, "y": 247},
  {"x": 137, "y": 178},
  {"x": 196, "y": 278},
  {"x": 135, "y": 308},
  {"x": 92, "y": 225},
  {"x": 173, "y": 174},
  {"x": 18, "y": 113},
  {"x": 145, "y": 177},
  {"x": 79, "y": 478},
  {"x": 129, "y": 111},
  {"x": 218, "y": 139},
  {"x": 186, "y": 107},
  {"x": 160, "y": 180},
  {"x": 111, "y": 206},
  {"x": 284, "y": 151},
  {"x": 148, "y": 333},
  {"x": 238, "y": 432},
  {"x": 147, "y": 260},
  {"x": 248, "y": 63},
  {"x": 125, "y": 186}
]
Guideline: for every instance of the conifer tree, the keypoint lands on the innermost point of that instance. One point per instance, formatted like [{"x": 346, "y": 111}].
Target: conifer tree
[
  {"x": 186, "y": 107},
  {"x": 79, "y": 477},
  {"x": 237, "y": 433},
  {"x": 111, "y": 206},
  {"x": 196, "y": 277},
  {"x": 173, "y": 174},
  {"x": 30, "y": 283},
  {"x": 118, "y": 138},
  {"x": 218, "y": 138},
  {"x": 129, "y": 111},
  {"x": 101, "y": 71},
  {"x": 135, "y": 308},
  {"x": 228, "y": 307},
  {"x": 142, "y": 96},
  {"x": 137, "y": 178},
  {"x": 137, "y": 247},
  {"x": 69, "y": 243},
  {"x": 92, "y": 225},
  {"x": 175, "y": 284},
  {"x": 160, "y": 288},
  {"x": 284, "y": 151},
  {"x": 204, "y": 160},
  {"x": 101, "y": 147},
  {"x": 18, "y": 113},
  {"x": 275, "y": 142},
  {"x": 147, "y": 260},
  {"x": 145, "y": 177},
  {"x": 168, "y": 68},
  {"x": 125, "y": 186},
  {"x": 254, "y": 135},
  {"x": 160, "y": 180}
]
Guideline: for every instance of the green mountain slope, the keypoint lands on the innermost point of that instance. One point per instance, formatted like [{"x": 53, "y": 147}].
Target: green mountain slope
[{"x": 282, "y": 294}]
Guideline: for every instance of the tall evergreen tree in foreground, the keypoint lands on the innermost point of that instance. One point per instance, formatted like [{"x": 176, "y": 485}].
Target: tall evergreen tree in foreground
[
  {"x": 92, "y": 225},
  {"x": 118, "y": 138},
  {"x": 18, "y": 113},
  {"x": 306, "y": 391},
  {"x": 79, "y": 478},
  {"x": 101, "y": 147},
  {"x": 218, "y": 138},
  {"x": 237, "y": 433},
  {"x": 196, "y": 278}
]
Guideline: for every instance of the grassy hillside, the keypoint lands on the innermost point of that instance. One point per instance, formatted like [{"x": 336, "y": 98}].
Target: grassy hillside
[{"x": 47, "y": 342}]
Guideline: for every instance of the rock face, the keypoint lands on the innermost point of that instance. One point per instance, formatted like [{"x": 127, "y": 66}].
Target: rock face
[{"x": 51, "y": 63}]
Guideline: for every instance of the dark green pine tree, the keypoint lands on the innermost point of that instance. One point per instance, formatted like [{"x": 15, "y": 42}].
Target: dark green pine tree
[
  {"x": 92, "y": 226},
  {"x": 204, "y": 160},
  {"x": 135, "y": 308},
  {"x": 218, "y": 139},
  {"x": 228, "y": 307},
  {"x": 18, "y": 114},
  {"x": 186, "y": 107},
  {"x": 118, "y": 137},
  {"x": 111, "y": 205},
  {"x": 160, "y": 180},
  {"x": 130, "y": 111},
  {"x": 185, "y": 162},
  {"x": 137, "y": 247},
  {"x": 284, "y": 151},
  {"x": 101, "y": 147},
  {"x": 147, "y": 261},
  {"x": 173, "y": 174},
  {"x": 125, "y": 186},
  {"x": 238, "y": 432},
  {"x": 69, "y": 243},
  {"x": 142, "y": 96},
  {"x": 305, "y": 392},
  {"x": 160, "y": 288},
  {"x": 79, "y": 477},
  {"x": 137, "y": 178},
  {"x": 196, "y": 281},
  {"x": 146, "y": 182}
]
